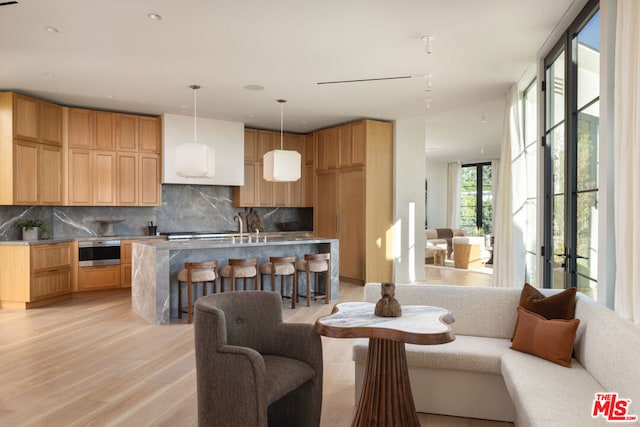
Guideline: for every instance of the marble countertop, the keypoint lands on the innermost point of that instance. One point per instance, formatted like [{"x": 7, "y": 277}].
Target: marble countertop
[
  {"x": 72, "y": 239},
  {"x": 228, "y": 242}
]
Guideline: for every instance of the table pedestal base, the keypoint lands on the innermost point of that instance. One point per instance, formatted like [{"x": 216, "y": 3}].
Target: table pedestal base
[{"x": 386, "y": 398}]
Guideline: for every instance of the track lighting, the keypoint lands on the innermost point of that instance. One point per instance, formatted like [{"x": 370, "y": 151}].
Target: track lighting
[{"x": 428, "y": 41}]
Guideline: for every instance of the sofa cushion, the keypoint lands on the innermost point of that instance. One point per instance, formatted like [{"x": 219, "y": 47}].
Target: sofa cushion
[
  {"x": 558, "y": 306},
  {"x": 546, "y": 394},
  {"x": 465, "y": 353},
  {"x": 550, "y": 339}
]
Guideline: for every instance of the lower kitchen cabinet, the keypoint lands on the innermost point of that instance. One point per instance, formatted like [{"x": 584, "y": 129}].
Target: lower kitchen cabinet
[
  {"x": 34, "y": 275},
  {"x": 103, "y": 277}
]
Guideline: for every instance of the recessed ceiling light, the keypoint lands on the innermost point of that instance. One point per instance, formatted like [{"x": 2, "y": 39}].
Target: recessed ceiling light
[
  {"x": 155, "y": 16},
  {"x": 51, "y": 29},
  {"x": 109, "y": 96},
  {"x": 253, "y": 87},
  {"x": 48, "y": 74}
]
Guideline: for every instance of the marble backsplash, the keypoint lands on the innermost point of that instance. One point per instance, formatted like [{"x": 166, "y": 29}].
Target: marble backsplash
[{"x": 184, "y": 208}]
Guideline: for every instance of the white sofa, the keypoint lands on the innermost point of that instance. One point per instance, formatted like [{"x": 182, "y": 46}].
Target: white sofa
[{"x": 479, "y": 376}]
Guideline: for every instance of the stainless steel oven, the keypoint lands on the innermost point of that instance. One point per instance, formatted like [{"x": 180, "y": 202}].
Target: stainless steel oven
[{"x": 92, "y": 253}]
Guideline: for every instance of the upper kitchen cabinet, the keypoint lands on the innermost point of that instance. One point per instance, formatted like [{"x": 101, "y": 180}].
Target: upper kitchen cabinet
[
  {"x": 80, "y": 128},
  {"x": 149, "y": 135},
  {"x": 126, "y": 132},
  {"x": 114, "y": 159},
  {"x": 354, "y": 197},
  {"x": 256, "y": 191},
  {"x": 31, "y": 160}
]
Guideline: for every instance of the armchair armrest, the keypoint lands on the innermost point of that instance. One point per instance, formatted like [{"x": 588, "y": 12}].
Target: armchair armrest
[{"x": 299, "y": 341}]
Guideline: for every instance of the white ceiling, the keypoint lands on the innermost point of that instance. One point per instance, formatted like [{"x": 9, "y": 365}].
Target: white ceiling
[{"x": 108, "y": 54}]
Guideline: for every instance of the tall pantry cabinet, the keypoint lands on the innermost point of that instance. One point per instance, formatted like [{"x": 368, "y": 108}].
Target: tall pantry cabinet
[{"x": 354, "y": 196}]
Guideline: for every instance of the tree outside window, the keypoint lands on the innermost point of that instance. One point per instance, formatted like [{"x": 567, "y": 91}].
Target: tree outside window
[{"x": 476, "y": 204}]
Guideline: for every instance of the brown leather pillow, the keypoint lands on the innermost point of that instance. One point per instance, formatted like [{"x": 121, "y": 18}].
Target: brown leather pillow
[
  {"x": 559, "y": 306},
  {"x": 549, "y": 339}
]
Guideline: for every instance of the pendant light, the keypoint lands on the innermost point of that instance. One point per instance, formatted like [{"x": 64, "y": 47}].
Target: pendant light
[
  {"x": 195, "y": 159},
  {"x": 281, "y": 165}
]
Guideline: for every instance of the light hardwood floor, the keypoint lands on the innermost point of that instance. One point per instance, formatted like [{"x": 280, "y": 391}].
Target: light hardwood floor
[{"x": 93, "y": 362}]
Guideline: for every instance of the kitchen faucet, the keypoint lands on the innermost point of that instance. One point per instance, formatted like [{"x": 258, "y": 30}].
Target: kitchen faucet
[{"x": 239, "y": 218}]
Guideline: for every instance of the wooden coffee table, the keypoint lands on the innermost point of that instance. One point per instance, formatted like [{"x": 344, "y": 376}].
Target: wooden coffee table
[{"x": 386, "y": 398}]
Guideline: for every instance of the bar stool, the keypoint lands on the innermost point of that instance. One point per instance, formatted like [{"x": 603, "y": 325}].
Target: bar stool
[
  {"x": 240, "y": 268},
  {"x": 194, "y": 273},
  {"x": 280, "y": 266},
  {"x": 315, "y": 263}
]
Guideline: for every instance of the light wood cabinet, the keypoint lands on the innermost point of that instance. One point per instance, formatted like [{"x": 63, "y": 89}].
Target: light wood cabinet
[
  {"x": 126, "y": 132},
  {"x": 34, "y": 275},
  {"x": 354, "y": 197},
  {"x": 94, "y": 278},
  {"x": 80, "y": 126},
  {"x": 257, "y": 192},
  {"x": 80, "y": 188},
  {"x": 150, "y": 173},
  {"x": 38, "y": 174},
  {"x": 110, "y": 171},
  {"x": 127, "y": 179},
  {"x": 26, "y": 118},
  {"x": 104, "y": 131},
  {"x": 30, "y": 140},
  {"x": 104, "y": 178},
  {"x": 150, "y": 140}
]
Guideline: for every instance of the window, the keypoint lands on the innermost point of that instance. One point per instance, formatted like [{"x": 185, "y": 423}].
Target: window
[
  {"x": 476, "y": 203},
  {"x": 571, "y": 155}
]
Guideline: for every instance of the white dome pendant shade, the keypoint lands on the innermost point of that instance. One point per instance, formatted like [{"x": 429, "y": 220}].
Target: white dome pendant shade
[
  {"x": 281, "y": 165},
  {"x": 195, "y": 159}
]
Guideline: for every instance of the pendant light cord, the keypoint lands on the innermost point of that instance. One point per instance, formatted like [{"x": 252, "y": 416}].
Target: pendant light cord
[
  {"x": 195, "y": 115},
  {"x": 281, "y": 101},
  {"x": 195, "y": 112}
]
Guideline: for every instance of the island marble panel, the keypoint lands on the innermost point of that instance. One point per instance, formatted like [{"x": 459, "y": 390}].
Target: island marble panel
[{"x": 155, "y": 265}]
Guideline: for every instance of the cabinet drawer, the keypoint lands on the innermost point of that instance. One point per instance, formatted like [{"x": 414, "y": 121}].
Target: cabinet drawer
[
  {"x": 90, "y": 278},
  {"x": 47, "y": 257},
  {"x": 50, "y": 284}
]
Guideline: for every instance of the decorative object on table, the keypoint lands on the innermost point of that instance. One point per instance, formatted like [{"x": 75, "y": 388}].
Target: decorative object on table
[
  {"x": 31, "y": 228},
  {"x": 388, "y": 305}
]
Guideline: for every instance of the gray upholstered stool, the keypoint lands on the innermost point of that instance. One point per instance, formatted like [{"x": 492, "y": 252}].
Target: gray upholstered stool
[
  {"x": 194, "y": 273},
  {"x": 240, "y": 268},
  {"x": 280, "y": 266},
  {"x": 316, "y": 264}
]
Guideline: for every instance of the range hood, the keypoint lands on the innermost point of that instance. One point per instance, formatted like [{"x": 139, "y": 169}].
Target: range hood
[{"x": 224, "y": 137}]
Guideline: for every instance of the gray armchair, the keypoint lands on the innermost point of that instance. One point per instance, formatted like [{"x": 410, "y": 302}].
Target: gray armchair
[{"x": 253, "y": 369}]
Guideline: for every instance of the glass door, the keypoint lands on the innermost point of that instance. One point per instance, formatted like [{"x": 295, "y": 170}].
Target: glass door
[{"x": 572, "y": 75}]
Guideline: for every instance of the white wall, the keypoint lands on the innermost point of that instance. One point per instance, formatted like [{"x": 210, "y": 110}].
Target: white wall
[
  {"x": 436, "y": 175},
  {"x": 226, "y": 138},
  {"x": 408, "y": 244}
]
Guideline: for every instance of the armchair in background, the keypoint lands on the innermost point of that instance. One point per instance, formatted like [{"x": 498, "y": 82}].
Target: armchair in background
[{"x": 251, "y": 368}]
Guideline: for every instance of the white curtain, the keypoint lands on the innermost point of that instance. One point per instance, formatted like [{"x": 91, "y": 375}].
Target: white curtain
[
  {"x": 509, "y": 213},
  {"x": 626, "y": 158},
  {"x": 453, "y": 205}
]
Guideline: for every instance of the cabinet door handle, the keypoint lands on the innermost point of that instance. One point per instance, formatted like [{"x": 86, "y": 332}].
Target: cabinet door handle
[{"x": 337, "y": 223}]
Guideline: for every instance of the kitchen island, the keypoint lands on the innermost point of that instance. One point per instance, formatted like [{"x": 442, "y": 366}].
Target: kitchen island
[{"x": 155, "y": 265}]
